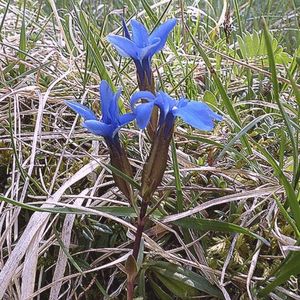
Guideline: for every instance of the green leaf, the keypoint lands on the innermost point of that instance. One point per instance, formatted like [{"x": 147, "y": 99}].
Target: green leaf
[
  {"x": 290, "y": 267},
  {"x": 226, "y": 100},
  {"x": 291, "y": 196},
  {"x": 92, "y": 45},
  {"x": 142, "y": 283},
  {"x": 210, "y": 98},
  {"x": 160, "y": 293},
  {"x": 22, "y": 43},
  {"x": 112, "y": 210},
  {"x": 179, "y": 194},
  {"x": 186, "y": 277},
  {"x": 65, "y": 250},
  {"x": 206, "y": 224},
  {"x": 101, "y": 227},
  {"x": 253, "y": 46},
  {"x": 177, "y": 287}
]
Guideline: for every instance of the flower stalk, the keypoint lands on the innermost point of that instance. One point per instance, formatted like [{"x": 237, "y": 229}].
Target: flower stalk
[
  {"x": 142, "y": 218},
  {"x": 157, "y": 111}
]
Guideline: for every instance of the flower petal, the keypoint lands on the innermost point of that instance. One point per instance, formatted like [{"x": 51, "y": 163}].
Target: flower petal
[
  {"x": 114, "y": 107},
  {"x": 165, "y": 103},
  {"x": 150, "y": 50},
  {"x": 124, "y": 46},
  {"x": 146, "y": 95},
  {"x": 139, "y": 34},
  {"x": 143, "y": 114},
  {"x": 106, "y": 99},
  {"x": 162, "y": 33},
  {"x": 197, "y": 114},
  {"x": 126, "y": 118},
  {"x": 125, "y": 28},
  {"x": 99, "y": 128},
  {"x": 82, "y": 110}
]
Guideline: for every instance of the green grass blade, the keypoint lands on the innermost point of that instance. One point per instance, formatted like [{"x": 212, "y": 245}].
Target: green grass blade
[
  {"x": 237, "y": 13},
  {"x": 71, "y": 259},
  {"x": 290, "y": 193},
  {"x": 123, "y": 176},
  {"x": 285, "y": 117},
  {"x": 22, "y": 44},
  {"x": 208, "y": 141},
  {"x": 226, "y": 100},
  {"x": 206, "y": 225},
  {"x": 240, "y": 134},
  {"x": 159, "y": 291},
  {"x": 290, "y": 267},
  {"x": 23, "y": 173},
  {"x": 189, "y": 278},
  {"x": 94, "y": 50},
  {"x": 3, "y": 19},
  {"x": 297, "y": 96},
  {"x": 117, "y": 211},
  {"x": 179, "y": 195}
]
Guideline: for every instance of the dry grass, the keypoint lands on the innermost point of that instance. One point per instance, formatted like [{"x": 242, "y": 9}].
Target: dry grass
[{"x": 47, "y": 160}]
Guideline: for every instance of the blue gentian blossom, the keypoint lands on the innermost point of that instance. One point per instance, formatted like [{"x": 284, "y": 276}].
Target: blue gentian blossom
[
  {"x": 108, "y": 127},
  {"x": 194, "y": 113},
  {"x": 111, "y": 121},
  {"x": 141, "y": 46}
]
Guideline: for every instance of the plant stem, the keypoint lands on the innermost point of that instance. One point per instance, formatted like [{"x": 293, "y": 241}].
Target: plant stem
[
  {"x": 130, "y": 289},
  {"x": 140, "y": 229},
  {"x": 137, "y": 243}
]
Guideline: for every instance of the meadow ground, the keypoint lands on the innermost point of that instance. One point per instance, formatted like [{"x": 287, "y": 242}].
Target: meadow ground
[{"x": 224, "y": 223}]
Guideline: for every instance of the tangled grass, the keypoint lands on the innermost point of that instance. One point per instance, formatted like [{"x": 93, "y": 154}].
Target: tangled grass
[{"x": 225, "y": 223}]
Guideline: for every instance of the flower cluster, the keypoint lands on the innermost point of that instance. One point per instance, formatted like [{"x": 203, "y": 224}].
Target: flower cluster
[{"x": 141, "y": 46}]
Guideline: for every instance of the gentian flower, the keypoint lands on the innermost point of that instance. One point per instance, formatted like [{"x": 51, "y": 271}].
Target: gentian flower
[
  {"x": 111, "y": 121},
  {"x": 108, "y": 127},
  {"x": 141, "y": 47},
  {"x": 194, "y": 113},
  {"x": 197, "y": 114}
]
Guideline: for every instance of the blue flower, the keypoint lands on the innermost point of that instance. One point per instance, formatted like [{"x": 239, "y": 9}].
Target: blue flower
[
  {"x": 194, "y": 113},
  {"x": 111, "y": 121},
  {"x": 141, "y": 46}
]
